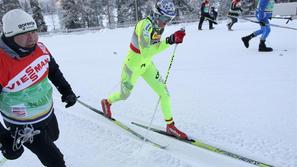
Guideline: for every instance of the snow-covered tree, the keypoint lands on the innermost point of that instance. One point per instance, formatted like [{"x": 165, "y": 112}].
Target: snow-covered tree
[
  {"x": 37, "y": 16},
  {"x": 144, "y": 8},
  {"x": 25, "y": 4},
  {"x": 108, "y": 11},
  {"x": 47, "y": 6},
  {"x": 184, "y": 10},
  {"x": 7, "y": 5},
  {"x": 125, "y": 11},
  {"x": 71, "y": 14},
  {"x": 93, "y": 12},
  {"x": 11, "y": 4}
]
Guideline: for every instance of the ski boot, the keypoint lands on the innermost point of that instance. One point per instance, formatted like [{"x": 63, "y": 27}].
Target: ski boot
[
  {"x": 106, "y": 108},
  {"x": 172, "y": 130},
  {"x": 229, "y": 27},
  {"x": 246, "y": 39},
  {"x": 263, "y": 48}
]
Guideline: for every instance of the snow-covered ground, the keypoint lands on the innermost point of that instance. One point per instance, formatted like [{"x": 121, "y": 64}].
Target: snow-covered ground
[{"x": 223, "y": 94}]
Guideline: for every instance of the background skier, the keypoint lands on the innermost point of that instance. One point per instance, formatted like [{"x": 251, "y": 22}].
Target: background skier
[
  {"x": 263, "y": 14},
  {"x": 235, "y": 10}
]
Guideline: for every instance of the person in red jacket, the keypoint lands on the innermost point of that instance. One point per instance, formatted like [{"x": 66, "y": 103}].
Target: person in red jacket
[
  {"x": 205, "y": 9},
  {"x": 26, "y": 102}
]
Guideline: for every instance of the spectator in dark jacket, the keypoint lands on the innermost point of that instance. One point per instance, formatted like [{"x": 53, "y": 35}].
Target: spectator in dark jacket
[
  {"x": 205, "y": 15},
  {"x": 235, "y": 10},
  {"x": 213, "y": 13}
]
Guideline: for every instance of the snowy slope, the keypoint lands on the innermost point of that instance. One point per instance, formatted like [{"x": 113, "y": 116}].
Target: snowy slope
[{"x": 223, "y": 94}]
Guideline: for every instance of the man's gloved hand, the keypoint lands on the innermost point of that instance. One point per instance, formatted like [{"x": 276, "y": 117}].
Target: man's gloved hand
[
  {"x": 70, "y": 99},
  {"x": 6, "y": 146},
  {"x": 262, "y": 23},
  {"x": 176, "y": 38}
]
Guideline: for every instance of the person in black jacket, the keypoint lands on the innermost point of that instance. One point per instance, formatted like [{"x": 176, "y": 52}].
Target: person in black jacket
[
  {"x": 26, "y": 102},
  {"x": 205, "y": 15},
  {"x": 213, "y": 13},
  {"x": 233, "y": 13}
]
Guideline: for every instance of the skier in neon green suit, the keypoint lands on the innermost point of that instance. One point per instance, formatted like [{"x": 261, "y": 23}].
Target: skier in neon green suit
[{"x": 146, "y": 42}]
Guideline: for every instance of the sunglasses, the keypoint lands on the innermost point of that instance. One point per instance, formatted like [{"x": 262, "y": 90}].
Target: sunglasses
[{"x": 164, "y": 19}]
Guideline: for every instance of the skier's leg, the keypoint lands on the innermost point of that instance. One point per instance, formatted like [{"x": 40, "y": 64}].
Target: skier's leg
[
  {"x": 128, "y": 79},
  {"x": 246, "y": 39},
  {"x": 210, "y": 23},
  {"x": 260, "y": 31},
  {"x": 262, "y": 45},
  {"x": 52, "y": 128},
  {"x": 153, "y": 78},
  {"x": 47, "y": 152},
  {"x": 41, "y": 144},
  {"x": 201, "y": 22},
  {"x": 234, "y": 20},
  {"x": 155, "y": 81},
  {"x": 266, "y": 31}
]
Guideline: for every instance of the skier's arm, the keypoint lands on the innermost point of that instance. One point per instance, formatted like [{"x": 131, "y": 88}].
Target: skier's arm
[
  {"x": 57, "y": 78},
  {"x": 144, "y": 30}
]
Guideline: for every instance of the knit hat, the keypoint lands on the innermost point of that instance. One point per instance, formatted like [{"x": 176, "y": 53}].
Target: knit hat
[{"x": 16, "y": 22}]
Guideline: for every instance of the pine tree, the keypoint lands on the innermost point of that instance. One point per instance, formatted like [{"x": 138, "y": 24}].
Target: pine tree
[
  {"x": 7, "y": 5},
  {"x": 144, "y": 8},
  {"x": 90, "y": 13},
  {"x": 126, "y": 12},
  {"x": 11, "y": 4},
  {"x": 37, "y": 16},
  {"x": 184, "y": 10},
  {"x": 71, "y": 14},
  {"x": 26, "y": 6}
]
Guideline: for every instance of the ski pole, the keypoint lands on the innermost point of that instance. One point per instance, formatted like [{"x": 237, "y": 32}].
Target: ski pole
[
  {"x": 211, "y": 20},
  {"x": 171, "y": 60},
  {"x": 273, "y": 25},
  {"x": 288, "y": 18},
  {"x": 283, "y": 17},
  {"x": 170, "y": 64},
  {"x": 166, "y": 78}
]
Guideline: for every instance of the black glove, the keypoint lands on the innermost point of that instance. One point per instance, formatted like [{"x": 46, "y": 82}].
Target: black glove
[
  {"x": 7, "y": 146},
  {"x": 70, "y": 99},
  {"x": 262, "y": 23}
]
